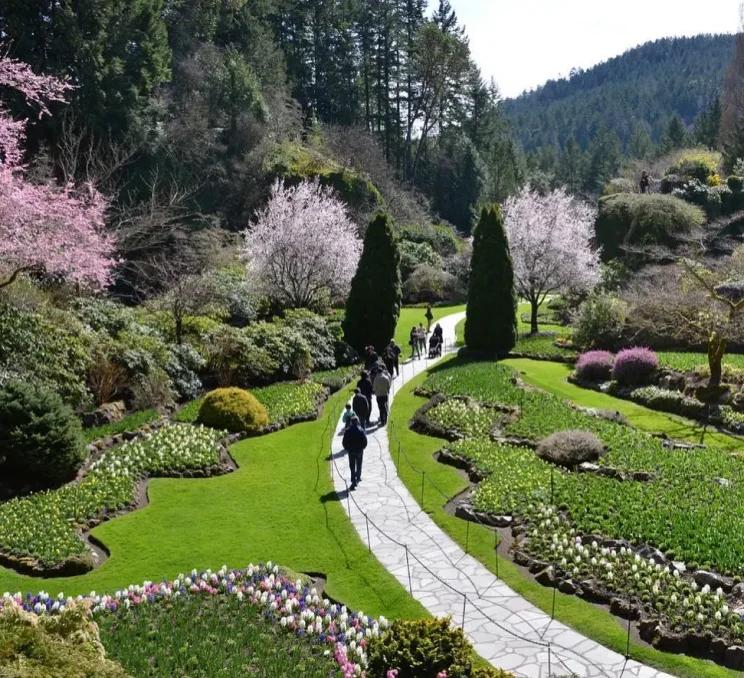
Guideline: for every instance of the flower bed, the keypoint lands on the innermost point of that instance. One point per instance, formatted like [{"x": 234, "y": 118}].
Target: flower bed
[
  {"x": 334, "y": 380},
  {"x": 643, "y": 498},
  {"x": 455, "y": 418},
  {"x": 41, "y": 532},
  {"x": 290, "y": 604}
]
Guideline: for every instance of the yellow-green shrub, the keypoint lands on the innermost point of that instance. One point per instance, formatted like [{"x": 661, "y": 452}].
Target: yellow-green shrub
[
  {"x": 66, "y": 645},
  {"x": 233, "y": 409}
]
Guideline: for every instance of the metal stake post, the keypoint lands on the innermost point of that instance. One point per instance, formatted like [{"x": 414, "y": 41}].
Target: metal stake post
[
  {"x": 464, "y": 602},
  {"x": 369, "y": 543},
  {"x": 408, "y": 567}
]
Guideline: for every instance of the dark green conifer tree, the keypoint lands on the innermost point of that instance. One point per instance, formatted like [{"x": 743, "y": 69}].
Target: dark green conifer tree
[
  {"x": 491, "y": 324},
  {"x": 373, "y": 306}
]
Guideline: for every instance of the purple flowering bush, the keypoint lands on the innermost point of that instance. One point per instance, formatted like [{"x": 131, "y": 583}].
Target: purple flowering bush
[
  {"x": 635, "y": 366},
  {"x": 595, "y": 365}
]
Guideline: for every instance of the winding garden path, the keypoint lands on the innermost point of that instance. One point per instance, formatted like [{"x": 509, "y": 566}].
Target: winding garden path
[{"x": 505, "y": 628}]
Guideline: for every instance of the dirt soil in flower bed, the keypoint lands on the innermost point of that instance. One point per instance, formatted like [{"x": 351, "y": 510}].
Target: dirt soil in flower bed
[
  {"x": 99, "y": 553},
  {"x": 647, "y": 630}
]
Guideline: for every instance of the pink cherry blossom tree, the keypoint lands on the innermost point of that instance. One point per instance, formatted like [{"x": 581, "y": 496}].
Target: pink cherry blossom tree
[
  {"x": 302, "y": 249},
  {"x": 58, "y": 230},
  {"x": 550, "y": 241}
]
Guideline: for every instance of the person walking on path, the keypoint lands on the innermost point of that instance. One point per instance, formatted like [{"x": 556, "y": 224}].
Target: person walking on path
[
  {"x": 429, "y": 318},
  {"x": 392, "y": 360},
  {"x": 421, "y": 338},
  {"x": 361, "y": 406},
  {"x": 381, "y": 386},
  {"x": 413, "y": 341},
  {"x": 354, "y": 442},
  {"x": 348, "y": 415},
  {"x": 365, "y": 386},
  {"x": 371, "y": 357},
  {"x": 438, "y": 331}
]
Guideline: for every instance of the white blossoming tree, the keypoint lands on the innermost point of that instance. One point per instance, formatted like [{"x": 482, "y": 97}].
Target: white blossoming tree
[
  {"x": 550, "y": 238},
  {"x": 302, "y": 249}
]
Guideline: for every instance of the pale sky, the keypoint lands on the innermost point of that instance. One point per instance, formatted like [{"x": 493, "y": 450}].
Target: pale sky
[{"x": 523, "y": 43}]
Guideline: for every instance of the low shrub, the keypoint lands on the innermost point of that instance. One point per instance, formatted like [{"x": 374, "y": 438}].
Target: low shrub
[
  {"x": 64, "y": 645},
  {"x": 735, "y": 184},
  {"x": 595, "y": 365},
  {"x": 415, "y": 254},
  {"x": 428, "y": 284},
  {"x": 711, "y": 199},
  {"x": 599, "y": 321},
  {"x": 570, "y": 448},
  {"x": 41, "y": 440},
  {"x": 619, "y": 185},
  {"x": 665, "y": 400},
  {"x": 635, "y": 366},
  {"x": 232, "y": 409},
  {"x": 424, "y": 647}
]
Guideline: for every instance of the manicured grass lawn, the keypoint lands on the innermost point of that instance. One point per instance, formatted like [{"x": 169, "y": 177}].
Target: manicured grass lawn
[
  {"x": 279, "y": 505},
  {"x": 413, "y": 316},
  {"x": 687, "y": 362},
  {"x": 552, "y": 377},
  {"x": 584, "y": 617},
  {"x": 201, "y": 637}
]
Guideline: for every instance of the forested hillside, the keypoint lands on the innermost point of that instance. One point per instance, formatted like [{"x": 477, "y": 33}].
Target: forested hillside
[
  {"x": 633, "y": 95},
  {"x": 194, "y": 107}
]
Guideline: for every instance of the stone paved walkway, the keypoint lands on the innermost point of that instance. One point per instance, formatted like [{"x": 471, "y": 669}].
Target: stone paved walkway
[{"x": 505, "y": 629}]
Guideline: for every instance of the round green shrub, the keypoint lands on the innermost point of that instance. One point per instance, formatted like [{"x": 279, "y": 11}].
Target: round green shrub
[
  {"x": 570, "y": 448},
  {"x": 41, "y": 440},
  {"x": 643, "y": 219},
  {"x": 424, "y": 647},
  {"x": 233, "y": 409}
]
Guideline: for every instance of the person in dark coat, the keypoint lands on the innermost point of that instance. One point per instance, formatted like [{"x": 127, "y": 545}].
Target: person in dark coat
[
  {"x": 361, "y": 406},
  {"x": 645, "y": 182},
  {"x": 354, "y": 442},
  {"x": 439, "y": 332},
  {"x": 371, "y": 358},
  {"x": 392, "y": 358},
  {"x": 365, "y": 386},
  {"x": 413, "y": 341}
]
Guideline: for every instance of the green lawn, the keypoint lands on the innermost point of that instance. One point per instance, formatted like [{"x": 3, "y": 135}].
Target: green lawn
[
  {"x": 279, "y": 505},
  {"x": 413, "y": 316},
  {"x": 584, "y": 617},
  {"x": 552, "y": 377},
  {"x": 131, "y": 422}
]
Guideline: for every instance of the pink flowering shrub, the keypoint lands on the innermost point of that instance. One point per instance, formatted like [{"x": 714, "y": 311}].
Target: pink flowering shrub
[
  {"x": 634, "y": 366},
  {"x": 595, "y": 365}
]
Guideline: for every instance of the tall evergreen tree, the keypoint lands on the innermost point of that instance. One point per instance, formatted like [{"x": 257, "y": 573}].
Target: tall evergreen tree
[
  {"x": 603, "y": 160},
  {"x": 115, "y": 51},
  {"x": 640, "y": 145},
  {"x": 373, "y": 306},
  {"x": 675, "y": 135},
  {"x": 491, "y": 324},
  {"x": 708, "y": 125},
  {"x": 732, "y": 116},
  {"x": 570, "y": 166}
]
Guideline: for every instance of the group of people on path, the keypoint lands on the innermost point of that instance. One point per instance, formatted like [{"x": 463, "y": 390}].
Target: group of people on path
[{"x": 376, "y": 380}]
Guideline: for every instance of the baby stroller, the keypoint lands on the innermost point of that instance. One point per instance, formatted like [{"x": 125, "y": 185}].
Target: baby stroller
[{"x": 435, "y": 346}]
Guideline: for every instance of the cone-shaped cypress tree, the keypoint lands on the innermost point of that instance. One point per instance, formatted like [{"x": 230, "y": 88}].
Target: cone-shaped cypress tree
[
  {"x": 491, "y": 324},
  {"x": 373, "y": 306}
]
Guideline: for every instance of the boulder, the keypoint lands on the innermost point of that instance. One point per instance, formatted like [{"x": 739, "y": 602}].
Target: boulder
[
  {"x": 672, "y": 381},
  {"x": 651, "y": 553},
  {"x": 714, "y": 580},
  {"x": 669, "y": 641},
  {"x": 737, "y": 401},
  {"x": 718, "y": 647},
  {"x": 733, "y": 658},
  {"x": 568, "y": 586},
  {"x": 107, "y": 413},
  {"x": 546, "y": 577}
]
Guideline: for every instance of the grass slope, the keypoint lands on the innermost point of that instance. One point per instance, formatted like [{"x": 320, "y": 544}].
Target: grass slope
[
  {"x": 279, "y": 505},
  {"x": 588, "y": 619},
  {"x": 552, "y": 377}
]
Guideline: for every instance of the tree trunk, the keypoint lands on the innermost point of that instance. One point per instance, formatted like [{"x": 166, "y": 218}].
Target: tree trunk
[
  {"x": 533, "y": 316},
  {"x": 179, "y": 330},
  {"x": 716, "y": 351}
]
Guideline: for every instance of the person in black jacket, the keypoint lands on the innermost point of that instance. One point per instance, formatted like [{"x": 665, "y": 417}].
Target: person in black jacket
[
  {"x": 355, "y": 440},
  {"x": 365, "y": 386},
  {"x": 361, "y": 408}
]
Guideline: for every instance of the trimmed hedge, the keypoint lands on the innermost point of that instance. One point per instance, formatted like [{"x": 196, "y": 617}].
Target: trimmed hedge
[
  {"x": 643, "y": 219},
  {"x": 232, "y": 409}
]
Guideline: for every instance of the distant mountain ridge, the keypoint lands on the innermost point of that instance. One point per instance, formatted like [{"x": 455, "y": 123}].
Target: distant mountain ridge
[{"x": 644, "y": 86}]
